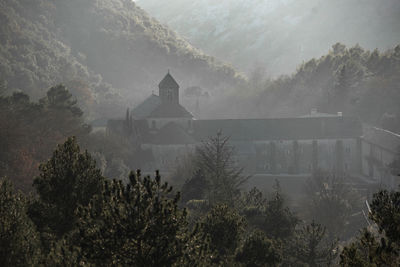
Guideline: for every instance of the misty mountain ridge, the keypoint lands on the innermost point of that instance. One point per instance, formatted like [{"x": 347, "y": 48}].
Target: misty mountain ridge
[
  {"x": 350, "y": 80},
  {"x": 110, "y": 54},
  {"x": 279, "y": 34}
]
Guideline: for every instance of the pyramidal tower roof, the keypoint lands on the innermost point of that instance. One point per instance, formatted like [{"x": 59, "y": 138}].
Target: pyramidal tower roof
[{"x": 168, "y": 82}]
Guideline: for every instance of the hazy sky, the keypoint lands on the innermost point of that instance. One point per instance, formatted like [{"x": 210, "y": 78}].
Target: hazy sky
[{"x": 278, "y": 34}]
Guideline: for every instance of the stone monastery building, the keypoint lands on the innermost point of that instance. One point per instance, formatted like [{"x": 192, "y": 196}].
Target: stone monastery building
[{"x": 163, "y": 128}]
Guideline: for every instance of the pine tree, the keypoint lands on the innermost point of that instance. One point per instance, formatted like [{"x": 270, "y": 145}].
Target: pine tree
[
  {"x": 138, "y": 224},
  {"x": 67, "y": 180},
  {"x": 330, "y": 202},
  {"x": 225, "y": 228},
  {"x": 379, "y": 244},
  {"x": 279, "y": 221},
  {"x": 58, "y": 97},
  {"x": 259, "y": 250},
  {"x": 311, "y": 246},
  {"x": 385, "y": 208},
  {"x": 370, "y": 249},
  {"x": 19, "y": 241},
  {"x": 252, "y": 206},
  {"x": 215, "y": 158},
  {"x": 343, "y": 82}
]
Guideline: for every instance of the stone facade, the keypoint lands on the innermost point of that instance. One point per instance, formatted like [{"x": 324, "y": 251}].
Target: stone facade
[{"x": 281, "y": 146}]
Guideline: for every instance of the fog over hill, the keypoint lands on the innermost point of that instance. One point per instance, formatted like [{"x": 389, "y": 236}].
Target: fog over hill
[
  {"x": 109, "y": 53},
  {"x": 279, "y": 34}
]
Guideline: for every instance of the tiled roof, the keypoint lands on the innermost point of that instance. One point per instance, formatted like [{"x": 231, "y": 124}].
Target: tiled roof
[
  {"x": 141, "y": 129},
  {"x": 247, "y": 130},
  {"x": 172, "y": 133},
  {"x": 279, "y": 129},
  {"x": 170, "y": 110},
  {"x": 146, "y": 107},
  {"x": 168, "y": 82}
]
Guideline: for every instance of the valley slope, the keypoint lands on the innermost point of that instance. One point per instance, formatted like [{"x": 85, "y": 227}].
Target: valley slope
[
  {"x": 279, "y": 34},
  {"x": 109, "y": 53}
]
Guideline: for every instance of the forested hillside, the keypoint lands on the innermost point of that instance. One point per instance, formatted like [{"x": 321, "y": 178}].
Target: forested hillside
[
  {"x": 351, "y": 80},
  {"x": 278, "y": 34},
  {"x": 30, "y": 131},
  {"x": 69, "y": 197},
  {"x": 109, "y": 53}
]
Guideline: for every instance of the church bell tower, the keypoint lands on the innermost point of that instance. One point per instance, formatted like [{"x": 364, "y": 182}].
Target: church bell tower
[{"x": 169, "y": 90}]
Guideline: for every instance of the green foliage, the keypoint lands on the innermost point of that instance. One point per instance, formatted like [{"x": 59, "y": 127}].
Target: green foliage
[
  {"x": 330, "y": 202},
  {"x": 252, "y": 206},
  {"x": 86, "y": 220},
  {"x": 279, "y": 222},
  {"x": 370, "y": 250},
  {"x": 225, "y": 228},
  {"x": 311, "y": 246},
  {"x": 58, "y": 97},
  {"x": 68, "y": 180},
  {"x": 30, "y": 131},
  {"x": 63, "y": 114},
  {"x": 347, "y": 79},
  {"x": 45, "y": 42},
  {"x": 215, "y": 159},
  {"x": 385, "y": 208},
  {"x": 378, "y": 245},
  {"x": 138, "y": 224},
  {"x": 19, "y": 242},
  {"x": 63, "y": 254},
  {"x": 270, "y": 215},
  {"x": 114, "y": 155},
  {"x": 259, "y": 250},
  {"x": 342, "y": 86}
]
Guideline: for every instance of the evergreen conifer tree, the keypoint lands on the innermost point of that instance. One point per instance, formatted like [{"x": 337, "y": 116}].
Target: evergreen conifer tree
[
  {"x": 279, "y": 221},
  {"x": 19, "y": 240},
  {"x": 311, "y": 246},
  {"x": 225, "y": 228},
  {"x": 67, "y": 180},
  {"x": 379, "y": 244},
  {"x": 138, "y": 224},
  {"x": 258, "y": 250},
  {"x": 215, "y": 158}
]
